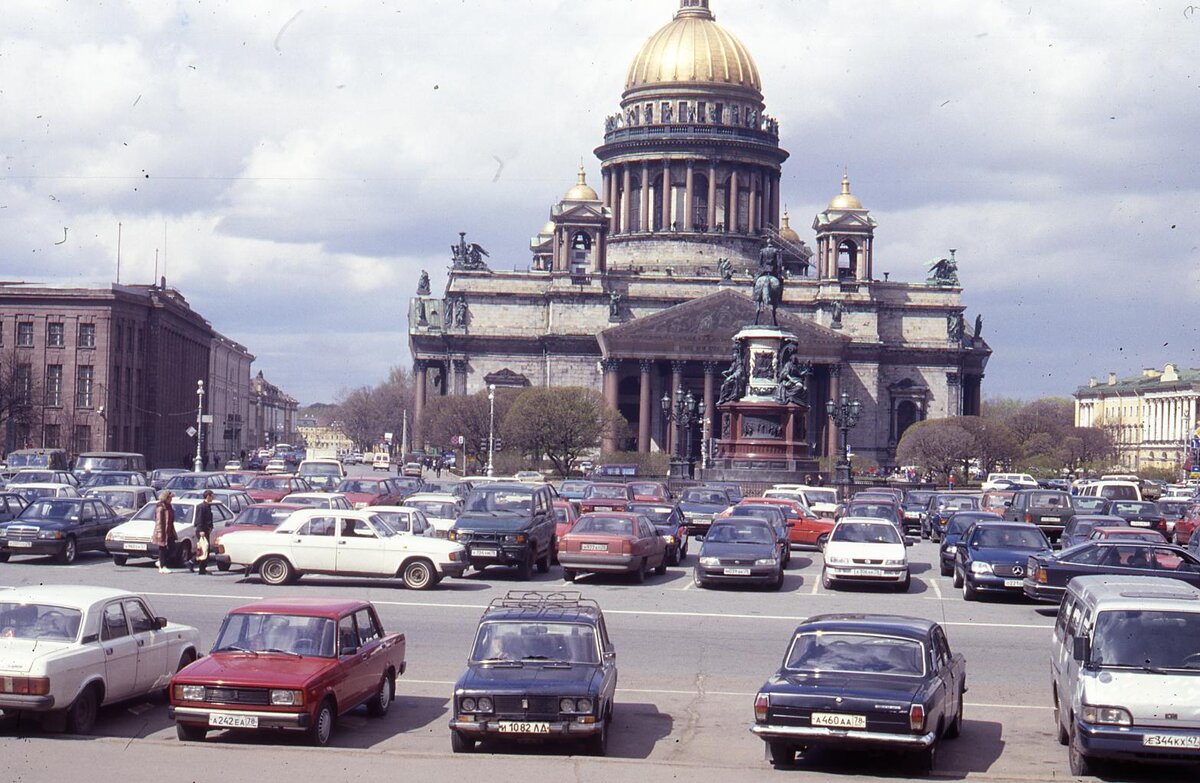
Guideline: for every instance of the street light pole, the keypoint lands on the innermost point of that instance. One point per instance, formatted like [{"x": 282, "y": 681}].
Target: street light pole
[
  {"x": 845, "y": 414},
  {"x": 491, "y": 471},
  {"x": 198, "y": 465},
  {"x": 684, "y": 414}
]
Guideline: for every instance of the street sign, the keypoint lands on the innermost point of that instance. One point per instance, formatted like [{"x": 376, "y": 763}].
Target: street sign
[
  {"x": 191, "y": 432},
  {"x": 387, "y": 436},
  {"x": 206, "y": 418}
]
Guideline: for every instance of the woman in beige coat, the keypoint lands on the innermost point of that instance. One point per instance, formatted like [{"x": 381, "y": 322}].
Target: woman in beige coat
[{"x": 164, "y": 531}]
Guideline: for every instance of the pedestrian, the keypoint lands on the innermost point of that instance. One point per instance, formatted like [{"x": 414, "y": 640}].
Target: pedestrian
[
  {"x": 438, "y": 467},
  {"x": 164, "y": 531},
  {"x": 204, "y": 526}
]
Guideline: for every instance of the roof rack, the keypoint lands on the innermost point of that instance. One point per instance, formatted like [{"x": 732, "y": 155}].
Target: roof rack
[{"x": 538, "y": 599}]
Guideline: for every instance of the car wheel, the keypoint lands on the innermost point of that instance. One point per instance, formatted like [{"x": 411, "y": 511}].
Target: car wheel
[
  {"x": 1063, "y": 737},
  {"x": 969, "y": 591},
  {"x": 276, "y": 570},
  {"x": 322, "y": 727},
  {"x": 189, "y": 733},
  {"x": 822, "y": 540},
  {"x": 672, "y": 557},
  {"x": 958, "y": 578},
  {"x": 954, "y": 730},
  {"x": 81, "y": 715},
  {"x": 639, "y": 573},
  {"x": 525, "y": 567},
  {"x": 543, "y": 563},
  {"x": 461, "y": 743},
  {"x": 780, "y": 753},
  {"x": 418, "y": 575},
  {"x": 701, "y": 582},
  {"x": 662, "y": 566},
  {"x": 223, "y": 565},
  {"x": 926, "y": 759},
  {"x": 185, "y": 556},
  {"x": 597, "y": 744},
  {"x": 378, "y": 706},
  {"x": 945, "y": 569},
  {"x": 4, "y": 556},
  {"x": 118, "y": 560},
  {"x": 902, "y": 587},
  {"x": 1078, "y": 762},
  {"x": 924, "y": 532},
  {"x": 69, "y": 551},
  {"x": 568, "y": 575},
  {"x": 778, "y": 583},
  {"x": 826, "y": 580}
]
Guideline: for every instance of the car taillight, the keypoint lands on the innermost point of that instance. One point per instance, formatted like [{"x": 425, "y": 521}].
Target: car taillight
[
  {"x": 916, "y": 717},
  {"x": 761, "y": 703},
  {"x": 626, "y": 546},
  {"x": 25, "y": 686},
  {"x": 1029, "y": 517}
]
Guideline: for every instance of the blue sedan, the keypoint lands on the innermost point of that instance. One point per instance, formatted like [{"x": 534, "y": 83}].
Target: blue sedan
[
  {"x": 994, "y": 555},
  {"x": 958, "y": 525}
]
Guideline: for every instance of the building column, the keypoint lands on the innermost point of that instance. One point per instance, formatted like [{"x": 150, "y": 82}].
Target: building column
[
  {"x": 752, "y": 214},
  {"x": 775, "y": 185},
  {"x": 710, "y": 399},
  {"x": 645, "y": 411},
  {"x": 712, "y": 196},
  {"x": 645, "y": 199},
  {"x": 460, "y": 376},
  {"x": 689, "y": 196},
  {"x": 768, "y": 190},
  {"x": 421, "y": 368},
  {"x": 731, "y": 214},
  {"x": 609, "y": 200},
  {"x": 835, "y": 390},
  {"x": 666, "y": 196},
  {"x": 608, "y": 443},
  {"x": 625, "y": 184}
]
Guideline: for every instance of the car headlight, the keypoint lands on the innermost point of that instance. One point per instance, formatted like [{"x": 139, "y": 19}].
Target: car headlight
[
  {"x": 114, "y": 536},
  {"x": 710, "y": 561},
  {"x": 452, "y": 534},
  {"x": 899, "y": 562},
  {"x": 835, "y": 560},
  {"x": 282, "y": 698},
  {"x": 190, "y": 692},
  {"x": 485, "y": 704},
  {"x": 978, "y": 567},
  {"x": 458, "y": 554},
  {"x": 468, "y": 705},
  {"x": 669, "y": 539},
  {"x": 951, "y": 549},
  {"x": 519, "y": 538},
  {"x": 583, "y": 705},
  {"x": 3, "y": 532},
  {"x": 767, "y": 561},
  {"x": 1110, "y": 716},
  {"x": 50, "y": 534},
  {"x": 566, "y": 705}
]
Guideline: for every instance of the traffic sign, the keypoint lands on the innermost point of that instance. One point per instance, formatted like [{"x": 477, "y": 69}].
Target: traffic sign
[{"x": 191, "y": 432}]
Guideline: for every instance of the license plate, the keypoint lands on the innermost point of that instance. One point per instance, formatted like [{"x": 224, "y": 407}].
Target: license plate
[
  {"x": 1013, "y": 582},
  {"x": 1139, "y": 523},
  {"x": 594, "y": 547},
  {"x": 866, "y": 572},
  {"x": 485, "y": 552},
  {"x": 135, "y": 547},
  {"x": 1171, "y": 741},
  {"x": 232, "y": 721},
  {"x": 602, "y": 508},
  {"x": 524, "y": 727},
  {"x": 835, "y": 720},
  {"x": 20, "y": 544},
  {"x": 1052, "y": 519},
  {"x": 737, "y": 572}
]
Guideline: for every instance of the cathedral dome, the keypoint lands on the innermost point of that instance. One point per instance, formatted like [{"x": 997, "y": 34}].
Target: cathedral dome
[
  {"x": 693, "y": 49},
  {"x": 845, "y": 199},
  {"x": 582, "y": 191}
]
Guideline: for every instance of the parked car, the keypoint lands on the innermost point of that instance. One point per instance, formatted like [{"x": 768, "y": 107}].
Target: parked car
[
  {"x": 124, "y": 500},
  {"x": 670, "y": 525},
  {"x": 273, "y": 489},
  {"x": 573, "y": 489},
  {"x": 32, "y": 492},
  {"x": 866, "y": 550},
  {"x": 440, "y": 509},
  {"x": 91, "y": 461},
  {"x": 51, "y": 459},
  {"x": 1047, "y": 576},
  {"x": 1080, "y": 527},
  {"x": 941, "y": 507},
  {"x": 292, "y": 663},
  {"x": 59, "y": 527},
  {"x": 1141, "y": 513},
  {"x": 1185, "y": 526},
  {"x": 1003, "y": 480},
  {"x": 700, "y": 505},
  {"x": 997, "y": 500},
  {"x": 363, "y": 491},
  {"x": 612, "y": 543},
  {"x": 1090, "y": 505},
  {"x": 113, "y": 478},
  {"x": 740, "y": 550},
  {"x": 327, "y": 500},
  {"x": 732, "y": 488},
  {"x": 993, "y": 556},
  {"x": 321, "y": 472},
  {"x": 203, "y": 480},
  {"x": 342, "y": 543},
  {"x": 1173, "y": 510},
  {"x": 1126, "y": 533},
  {"x": 773, "y": 514},
  {"x": 605, "y": 497},
  {"x": 259, "y": 516},
  {"x": 854, "y": 681},
  {"x": 649, "y": 492},
  {"x": 566, "y": 514},
  {"x": 876, "y": 508},
  {"x": 132, "y": 538},
  {"x": 914, "y": 507},
  {"x": 68, "y": 650},
  {"x": 542, "y": 668},
  {"x": 956, "y": 527},
  {"x": 45, "y": 476},
  {"x": 236, "y": 500},
  {"x": 508, "y": 524},
  {"x": 456, "y": 487},
  {"x": 406, "y": 520},
  {"x": 822, "y": 501},
  {"x": 160, "y": 477}
]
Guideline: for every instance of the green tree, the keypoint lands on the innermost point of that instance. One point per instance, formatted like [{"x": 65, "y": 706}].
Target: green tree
[
  {"x": 937, "y": 445},
  {"x": 560, "y": 423}
]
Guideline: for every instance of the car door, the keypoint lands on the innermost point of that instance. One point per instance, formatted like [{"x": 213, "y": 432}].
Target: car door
[
  {"x": 360, "y": 549},
  {"x": 370, "y": 639},
  {"x": 943, "y": 660},
  {"x": 356, "y": 680},
  {"x": 313, "y": 547},
  {"x": 120, "y": 653},
  {"x": 107, "y": 520},
  {"x": 153, "y": 647}
]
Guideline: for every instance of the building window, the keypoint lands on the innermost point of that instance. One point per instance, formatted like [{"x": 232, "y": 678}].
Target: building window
[
  {"x": 84, "y": 378},
  {"x": 82, "y": 439},
  {"x": 55, "y": 334},
  {"x": 54, "y": 381},
  {"x": 25, "y": 334},
  {"x": 87, "y": 335},
  {"x": 52, "y": 436},
  {"x": 120, "y": 338},
  {"x": 24, "y": 379}
]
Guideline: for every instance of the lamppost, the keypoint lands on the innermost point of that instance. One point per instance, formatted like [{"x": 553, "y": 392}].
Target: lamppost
[
  {"x": 198, "y": 465},
  {"x": 685, "y": 414},
  {"x": 491, "y": 471},
  {"x": 845, "y": 414}
]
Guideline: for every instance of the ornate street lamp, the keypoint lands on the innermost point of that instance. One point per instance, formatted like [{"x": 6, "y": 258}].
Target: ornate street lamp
[
  {"x": 198, "y": 464},
  {"x": 685, "y": 414},
  {"x": 491, "y": 471},
  {"x": 845, "y": 414}
]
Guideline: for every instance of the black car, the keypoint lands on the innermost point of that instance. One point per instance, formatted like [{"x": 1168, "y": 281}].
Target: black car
[
  {"x": 11, "y": 504},
  {"x": 113, "y": 478},
  {"x": 160, "y": 477},
  {"x": 542, "y": 668},
  {"x": 1141, "y": 513},
  {"x": 740, "y": 550},
  {"x": 1046, "y": 576},
  {"x": 408, "y": 485},
  {"x": 670, "y": 525},
  {"x": 1080, "y": 528},
  {"x": 1049, "y": 509},
  {"x": 732, "y": 489},
  {"x": 62, "y": 527},
  {"x": 993, "y": 556},
  {"x": 508, "y": 524},
  {"x": 959, "y": 524},
  {"x": 777, "y": 516},
  {"x": 863, "y": 681},
  {"x": 914, "y": 507},
  {"x": 941, "y": 507},
  {"x": 700, "y": 505}
]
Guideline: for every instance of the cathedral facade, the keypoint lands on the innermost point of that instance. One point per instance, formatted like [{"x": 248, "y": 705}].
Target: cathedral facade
[{"x": 637, "y": 291}]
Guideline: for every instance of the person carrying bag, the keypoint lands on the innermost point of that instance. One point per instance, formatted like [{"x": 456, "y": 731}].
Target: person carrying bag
[{"x": 204, "y": 527}]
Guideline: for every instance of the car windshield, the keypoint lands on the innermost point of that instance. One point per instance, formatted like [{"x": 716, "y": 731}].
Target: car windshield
[
  {"x": 573, "y": 486},
  {"x": 646, "y": 489},
  {"x": 37, "y": 476},
  {"x": 360, "y": 486},
  {"x": 280, "y": 633},
  {"x": 1133, "y": 507},
  {"x": 959, "y": 523},
  {"x": 33, "y": 493},
  {"x": 407, "y": 484},
  {"x": 658, "y": 515},
  {"x": 958, "y": 503},
  {"x": 434, "y": 508},
  {"x": 262, "y": 516},
  {"x": 866, "y": 533},
  {"x": 606, "y": 491},
  {"x": 503, "y": 641},
  {"x": 116, "y": 498},
  {"x": 107, "y": 479},
  {"x": 267, "y": 483},
  {"x": 885, "y": 510},
  {"x": 917, "y": 498},
  {"x": 38, "y": 621},
  {"x": 1146, "y": 639},
  {"x": 499, "y": 498},
  {"x": 740, "y": 534},
  {"x": 183, "y": 512},
  {"x": 1088, "y": 503},
  {"x": 704, "y": 496},
  {"x": 821, "y": 496},
  {"x": 312, "y": 501},
  {"x": 16, "y": 460},
  {"x": 50, "y": 508},
  {"x": 603, "y": 526},
  {"x": 188, "y": 482},
  {"x": 856, "y": 653},
  {"x": 1010, "y": 538},
  {"x": 321, "y": 469},
  {"x": 1173, "y": 508}
]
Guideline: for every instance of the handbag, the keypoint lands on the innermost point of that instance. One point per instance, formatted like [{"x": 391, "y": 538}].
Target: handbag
[{"x": 202, "y": 548}]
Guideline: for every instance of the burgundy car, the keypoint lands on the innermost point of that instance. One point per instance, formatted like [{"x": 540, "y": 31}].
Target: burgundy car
[
  {"x": 649, "y": 492},
  {"x": 366, "y": 491},
  {"x": 611, "y": 542},
  {"x": 272, "y": 489},
  {"x": 291, "y": 663},
  {"x": 605, "y": 497}
]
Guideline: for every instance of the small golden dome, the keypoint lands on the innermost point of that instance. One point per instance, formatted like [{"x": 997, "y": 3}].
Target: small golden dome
[
  {"x": 693, "y": 48},
  {"x": 786, "y": 231},
  {"x": 547, "y": 229},
  {"x": 845, "y": 199},
  {"x": 582, "y": 191}
]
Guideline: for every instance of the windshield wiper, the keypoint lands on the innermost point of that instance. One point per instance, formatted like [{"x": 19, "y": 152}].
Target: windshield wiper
[
  {"x": 535, "y": 657},
  {"x": 282, "y": 652},
  {"x": 235, "y": 648},
  {"x": 502, "y": 662}
]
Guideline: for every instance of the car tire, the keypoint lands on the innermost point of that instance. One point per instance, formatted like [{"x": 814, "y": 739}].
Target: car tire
[
  {"x": 525, "y": 567},
  {"x": 926, "y": 760},
  {"x": 958, "y": 578},
  {"x": 321, "y": 730},
  {"x": 822, "y": 540},
  {"x": 1079, "y": 763},
  {"x": 81, "y": 715},
  {"x": 826, "y": 580},
  {"x": 185, "y": 732},
  {"x": 597, "y": 744},
  {"x": 902, "y": 587},
  {"x": 661, "y": 570},
  {"x": 378, "y": 706},
  {"x": 461, "y": 743},
  {"x": 569, "y": 574},
  {"x": 276, "y": 570},
  {"x": 639, "y": 573},
  {"x": 954, "y": 730},
  {"x": 778, "y": 583},
  {"x": 780, "y": 753},
  {"x": 4, "y": 556},
  {"x": 185, "y": 556},
  {"x": 1064, "y": 738},
  {"x": 118, "y": 560},
  {"x": 969, "y": 591},
  {"x": 69, "y": 552},
  {"x": 700, "y": 582},
  {"x": 944, "y": 569},
  {"x": 419, "y": 574},
  {"x": 672, "y": 558},
  {"x": 543, "y": 563},
  {"x": 223, "y": 565}
]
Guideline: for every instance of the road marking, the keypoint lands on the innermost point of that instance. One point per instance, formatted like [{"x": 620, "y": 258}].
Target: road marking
[{"x": 936, "y": 587}]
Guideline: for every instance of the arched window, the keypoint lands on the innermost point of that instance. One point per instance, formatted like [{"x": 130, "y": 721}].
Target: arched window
[
  {"x": 847, "y": 260},
  {"x": 906, "y": 416},
  {"x": 581, "y": 252}
]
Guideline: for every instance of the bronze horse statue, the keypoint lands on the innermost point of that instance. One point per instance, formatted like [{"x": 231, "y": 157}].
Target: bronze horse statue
[{"x": 768, "y": 286}]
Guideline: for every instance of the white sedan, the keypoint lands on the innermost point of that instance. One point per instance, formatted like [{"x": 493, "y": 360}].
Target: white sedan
[
  {"x": 344, "y": 543},
  {"x": 866, "y": 549},
  {"x": 132, "y": 539},
  {"x": 67, "y": 650},
  {"x": 439, "y": 508}
]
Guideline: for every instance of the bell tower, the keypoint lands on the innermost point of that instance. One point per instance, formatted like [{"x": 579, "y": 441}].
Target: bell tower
[{"x": 845, "y": 238}]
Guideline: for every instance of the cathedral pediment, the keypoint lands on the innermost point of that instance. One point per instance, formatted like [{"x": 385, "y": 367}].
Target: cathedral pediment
[
  {"x": 703, "y": 328},
  {"x": 578, "y": 212}
]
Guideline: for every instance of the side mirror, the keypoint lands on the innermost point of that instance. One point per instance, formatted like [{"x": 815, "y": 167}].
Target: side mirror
[
  {"x": 160, "y": 622},
  {"x": 1079, "y": 650},
  {"x": 349, "y": 651}
]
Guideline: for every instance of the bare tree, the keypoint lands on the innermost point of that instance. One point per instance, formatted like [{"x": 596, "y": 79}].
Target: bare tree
[{"x": 560, "y": 423}]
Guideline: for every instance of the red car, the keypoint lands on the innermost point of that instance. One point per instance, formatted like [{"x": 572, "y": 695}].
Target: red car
[
  {"x": 649, "y": 492},
  {"x": 238, "y": 479},
  {"x": 605, "y": 497},
  {"x": 273, "y": 488},
  {"x": 612, "y": 542},
  {"x": 805, "y": 530},
  {"x": 366, "y": 491},
  {"x": 292, "y": 663},
  {"x": 1186, "y": 525},
  {"x": 259, "y": 516},
  {"x": 1127, "y": 534},
  {"x": 566, "y": 514}
]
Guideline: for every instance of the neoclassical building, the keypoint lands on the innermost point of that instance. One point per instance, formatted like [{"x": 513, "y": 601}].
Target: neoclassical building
[{"x": 637, "y": 290}]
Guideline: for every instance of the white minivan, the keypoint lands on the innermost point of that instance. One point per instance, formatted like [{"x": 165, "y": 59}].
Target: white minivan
[
  {"x": 1023, "y": 479},
  {"x": 1125, "y": 666},
  {"x": 1113, "y": 490}
]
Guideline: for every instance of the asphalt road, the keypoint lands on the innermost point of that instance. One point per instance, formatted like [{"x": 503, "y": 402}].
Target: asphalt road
[{"x": 690, "y": 661}]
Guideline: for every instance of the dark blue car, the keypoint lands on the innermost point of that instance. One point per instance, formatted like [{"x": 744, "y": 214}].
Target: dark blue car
[
  {"x": 700, "y": 505},
  {"x": 741, "y": 550},
  {"x": 959, "y": 524},
  {"x": 993, "y": 557},
  {"x": 670, "y": 525},
  {"x": 1079, "y": 528}
]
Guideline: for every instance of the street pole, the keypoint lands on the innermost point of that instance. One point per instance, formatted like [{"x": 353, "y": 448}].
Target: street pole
[
  {"x": 198, "y": 465},
  {"x": 845, "y": 414},
  {"x": 491, "y": 471}
]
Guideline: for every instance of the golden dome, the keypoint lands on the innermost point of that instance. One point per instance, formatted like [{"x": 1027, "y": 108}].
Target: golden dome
[
  {"x": 582, "y": 191},
  {"x": 547, "y": 229},
  {"x": 693, "y": 48},
  {"x": 786, "y": 231},
  {"x": 845, "y": 199}
]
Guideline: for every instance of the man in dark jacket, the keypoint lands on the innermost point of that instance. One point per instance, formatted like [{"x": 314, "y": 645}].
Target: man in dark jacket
[{"x": 204, "y": 527}]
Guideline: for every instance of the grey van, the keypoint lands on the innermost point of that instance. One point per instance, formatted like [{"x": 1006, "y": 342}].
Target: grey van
[{"x": 1126, "y": 668}]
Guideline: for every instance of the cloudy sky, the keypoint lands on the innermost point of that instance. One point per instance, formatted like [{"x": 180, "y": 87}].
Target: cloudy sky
[{"x": 295, "y": 165}]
